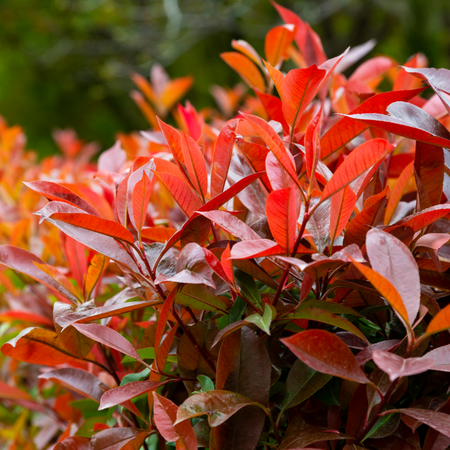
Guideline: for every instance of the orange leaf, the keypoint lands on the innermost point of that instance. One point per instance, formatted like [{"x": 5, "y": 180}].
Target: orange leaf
[
  {"x": 140, "y": 199},
  {"x": 195, "y": 164},
  {"x": 440, "y": 322},
  {"x": 97, "y": 224},
  {"x": 398, "y": 191},
  {"x": 174, "y": 90},
  {"x": 277, "y": 78},
  {"x": 312, "y": 144},
  {"x": 94, "y": 272},
  {"x": 186, "y": 198},
  {"x": 223, "y": 149},
  {"x": 173, "y": 138},
  {"x": 157, "y": 234},
  {"x": 387, "y": 290},
  {"x": 275, "y": 144},
  {"x": 282, "y": 216},
  {"x": 245, "y": 68},
  {"x": 299, "y": 89},
  {"x": 359, "y": 160},
  {"x": 342, "y": 205},
  {"x": 277, "y": 41}
]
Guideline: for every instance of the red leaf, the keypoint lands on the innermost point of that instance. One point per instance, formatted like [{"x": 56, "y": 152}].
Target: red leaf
[
  {"x": 278, "y": 177},
  {"x": 422, "y": 219},
  {"x": 76, "y": 380},
  {"x": 85, "y": 315},
  {"x": 213, "y": 204},
  {"x": 54, "y": 211},
  {"x": 410, "y": 121},
  {"x": 436, "y": 78},
  {"x": 436, "y": 420},
  {"x": 255, "y": 249},
  {"x": 275, "y": 144},
  {"x": 371, "y": 70},
  {"x": 274, "y": 108},
  {"x": 243, "y": 366},
  {"x": 277, "y": 41},
  {"x": 282, "y": 216},
  {"x": 356, "y": 163},
  {"x": 231, "y": 224},
  {"x": 299, "y": 89},
  {"x": 312, "y": 144},
  {"x": 165, "y": 415},
  {"x": 392, "y": 259},
  {"x": 108, "y": 337},
  {"x": 140, "y": 198},
  {"x": 346, "y": 129},
  {"x": 440, "y": 357},
  {"x": 326, "y": 353},
  {"x": 121, "y": 394},
  {"x": 307, "y": 40},
  {"x": 192, "y": 268},
  {"x": 217, "y": 405},
  {"x": 74, "y": 443},
  {"x": 25, "y": 262},
  {"x": 173, "y": 139},
  {"x": 55, "y": 191},
  {"x": 342, "y": 205},
  {"x": 223, "y": 149},
  {"x": 9, "y": 392},
  {"x": 164, "y": 316},
  {"x": 124, "y": 438},
  {"x": 186, "y": 198},
  {"x": 37, "y": 346},
  {"x": 396, "y": 366},
  {"x": 195, "y": 164},
  {"x": 429, "y": 166},
  {"x": 227, "y": 264}
]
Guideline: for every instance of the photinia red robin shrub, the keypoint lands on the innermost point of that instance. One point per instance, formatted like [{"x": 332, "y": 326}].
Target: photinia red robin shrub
[{"x": 275, "y": 274}]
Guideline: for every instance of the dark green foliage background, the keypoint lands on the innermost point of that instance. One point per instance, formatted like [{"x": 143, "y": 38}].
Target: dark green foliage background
[{"x": 66, "y": 63}]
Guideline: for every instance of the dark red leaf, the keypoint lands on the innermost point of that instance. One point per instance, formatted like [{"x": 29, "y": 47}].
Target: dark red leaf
[
  {"x": 410, "y": 121},
  {"x": 346, "y": 129},
  {"x": 326, "y": 353}
]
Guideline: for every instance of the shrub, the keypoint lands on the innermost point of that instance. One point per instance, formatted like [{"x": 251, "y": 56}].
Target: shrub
[{"x": 277, "y": 280}]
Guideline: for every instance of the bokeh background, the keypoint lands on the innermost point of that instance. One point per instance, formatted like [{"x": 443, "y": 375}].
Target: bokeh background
[{"x": 66, "y": 63}]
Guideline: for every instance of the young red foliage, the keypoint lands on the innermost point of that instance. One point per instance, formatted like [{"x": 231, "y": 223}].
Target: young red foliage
[{"x": 277, "y": 293}]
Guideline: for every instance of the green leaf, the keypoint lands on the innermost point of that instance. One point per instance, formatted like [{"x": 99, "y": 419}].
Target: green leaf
[
  {"x": 237, "y": 310},
  {"x": 248, "y": 287},
  {"x": 302, "y": 382},
  {"x": 199, "y": 297},
  {"x": 135, "y": 376},
  {"x": 324, "y": 316},
  {"x": 206, "y": 383},
  {"x": 384, "y": 426},
  {"x": 335, "y": 308},
  {"x": 330, "y": 393},
  {"x": 148, "y": 353},
  {"x": 263, "y": 322}
]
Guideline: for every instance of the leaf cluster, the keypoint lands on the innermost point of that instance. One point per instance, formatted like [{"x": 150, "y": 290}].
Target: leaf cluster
[{"x": 279, "y": 279}]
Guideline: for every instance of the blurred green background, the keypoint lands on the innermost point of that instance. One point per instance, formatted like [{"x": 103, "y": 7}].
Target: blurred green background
[{"x": 66, "y": 63}]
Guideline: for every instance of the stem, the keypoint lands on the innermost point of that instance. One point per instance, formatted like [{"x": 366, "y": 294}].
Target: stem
[
  {"x": 294, "y": 252},
  {"x": 376, "y": 414},
  {"x": 193, "y": 341},
  {"x": 111, "y": 370}
]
